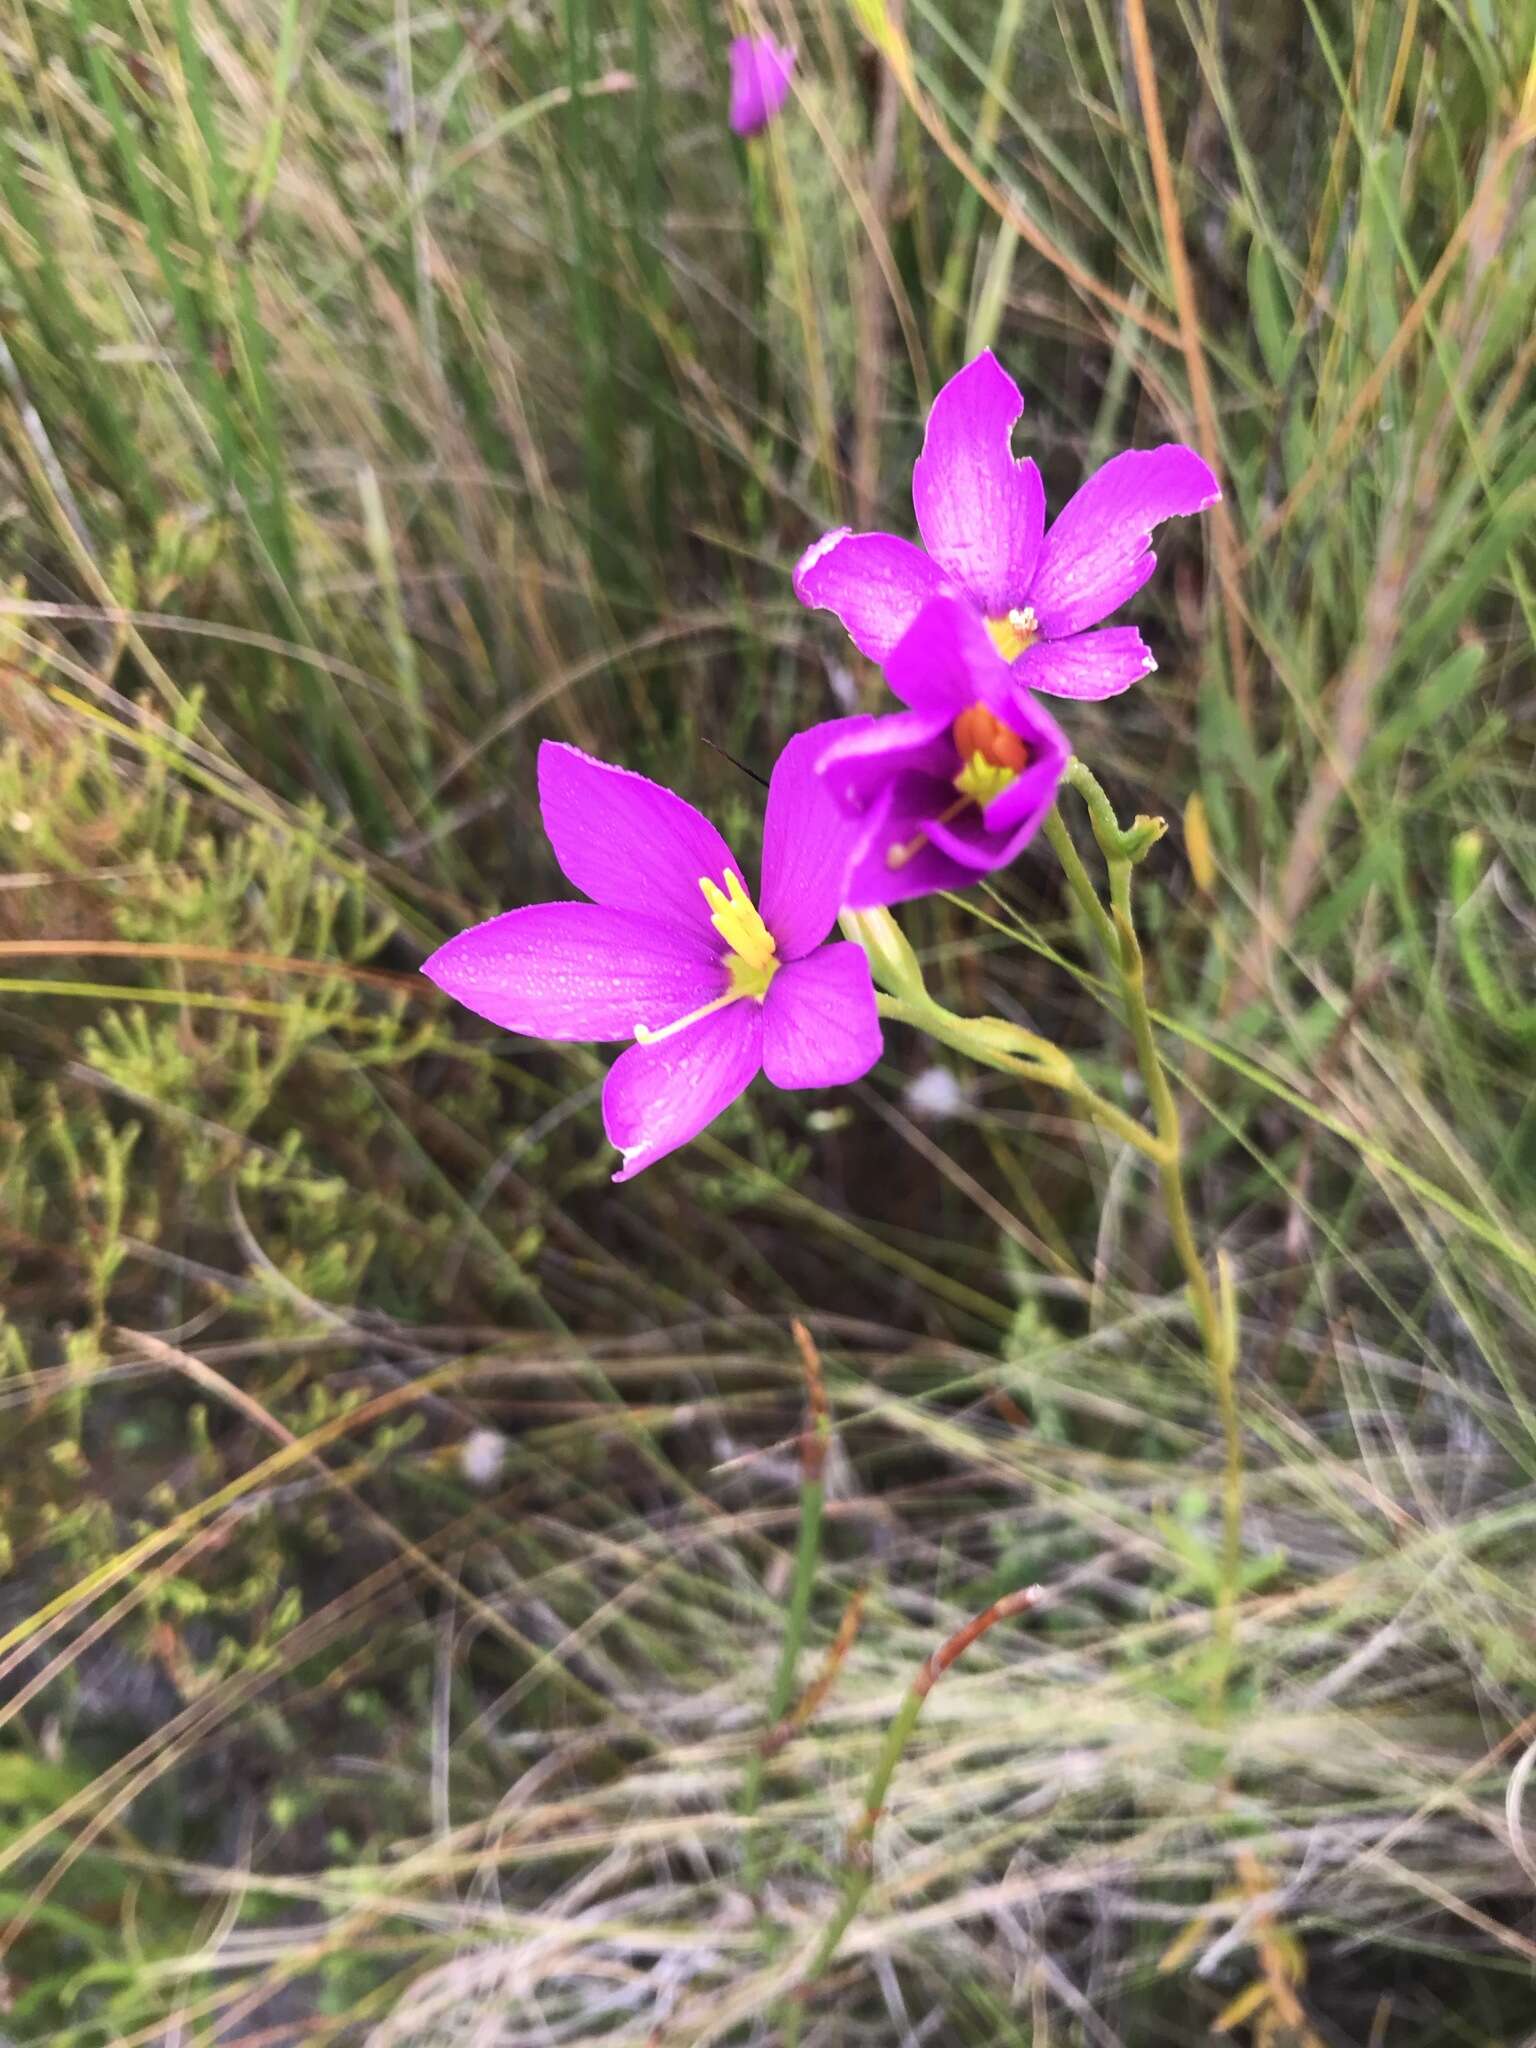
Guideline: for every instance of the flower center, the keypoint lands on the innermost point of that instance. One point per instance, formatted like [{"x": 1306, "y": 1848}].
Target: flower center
[
  {"x": 992, "y": 755},
  {"x": 992, "y": 758},
  {"x": 753, "y": 955},
  {"x": 1015, "y": 631},
  {"x": 752, "y": 958}
]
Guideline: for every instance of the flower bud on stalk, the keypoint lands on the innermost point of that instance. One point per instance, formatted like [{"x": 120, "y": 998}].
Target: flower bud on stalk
[{"x": 892, "y": 961}]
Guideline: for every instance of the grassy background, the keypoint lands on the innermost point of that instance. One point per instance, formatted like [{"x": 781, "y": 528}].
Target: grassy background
[{"x": 395, "y": 1520}]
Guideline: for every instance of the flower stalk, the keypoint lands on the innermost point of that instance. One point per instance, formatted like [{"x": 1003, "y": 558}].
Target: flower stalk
[
  {"x": 1212, "y": 1300},
  {"x": 990, "y": 1041}
]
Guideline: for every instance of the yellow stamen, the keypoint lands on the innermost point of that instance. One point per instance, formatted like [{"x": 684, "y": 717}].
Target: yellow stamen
[
  {"x": 992, "y": 754},
  {"x": 982, "y": 780},
  {"x": 1015, "y": 631},
  {"x": 992, "y": 758},
  {"x": 644, "y": 1035},
  {"x": 752, "y": 961},
  {"x": 753, "y": 958}
]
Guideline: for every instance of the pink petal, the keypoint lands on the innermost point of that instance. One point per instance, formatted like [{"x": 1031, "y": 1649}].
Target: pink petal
[
  {"x": 980, "y": 509},
  {"x": 577, "y": 970},
  {"x": 627, "y": 842},
  {"x": 946, "y": 660},
  {"x": 995, "y": 839},
  {"x": 820, "y": 1025},
  {"x": 759, "y": 81},
  {"x": 1100, "y": 664},
  {"x": 1027, "y": 800},
  {"x": 858, "y": 767},
  {"x": 807, "y": 843},
  {"x": 874, "y": 582},
  {"x": 657, "y": 1097},
  {"x": 1099, "y": 552},
  {"x": 903, "y": 811}
]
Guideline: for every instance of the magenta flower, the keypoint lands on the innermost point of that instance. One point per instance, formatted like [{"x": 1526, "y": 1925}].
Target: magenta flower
[
  {"x": 954, "y": 786},
  {"x": 760, "y": 71},
  {"x": 981, "y": 512},
  {"x": 671, "y": 951}
]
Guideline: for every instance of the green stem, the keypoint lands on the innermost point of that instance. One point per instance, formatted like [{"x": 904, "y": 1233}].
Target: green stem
[
  {"x": 858, "y": 1874},
  {"x": 1031, "y": 1058},
  {"x": 994, "y": 1042},
  {"x": 813, "y": 1494},
  {"x": 1215, "y": 1314},
  {"x": 1083, "y": 892}
]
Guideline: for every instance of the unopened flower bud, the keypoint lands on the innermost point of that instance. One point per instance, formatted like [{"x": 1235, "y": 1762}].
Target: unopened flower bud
[{"x": 891, "y": 959}]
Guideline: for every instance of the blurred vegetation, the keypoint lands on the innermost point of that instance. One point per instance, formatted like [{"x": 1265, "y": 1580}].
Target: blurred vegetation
[{"x": 396, "y": 1520}]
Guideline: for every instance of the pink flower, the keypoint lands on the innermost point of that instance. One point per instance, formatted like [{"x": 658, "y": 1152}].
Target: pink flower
[
  {"x": 956, "y": 785},
  {"x": 672, "y": 952},
  {"x": 759, "y": 81},
  {"x": 981, "y": 513}
]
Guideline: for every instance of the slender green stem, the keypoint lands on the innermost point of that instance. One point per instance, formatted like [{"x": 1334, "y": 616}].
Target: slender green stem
[
  {"x": 813, "y": 1493},
  {"x": 1032, "y": 1058},
  {"x": 994, "y": 1042},
  {"x": 1083, "y": 892},
  {"x": 1214, "y": 1313},
  {"x": 858, "y": 1864}
]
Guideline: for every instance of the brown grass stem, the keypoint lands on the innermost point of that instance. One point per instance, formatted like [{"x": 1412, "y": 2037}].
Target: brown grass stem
[{"x": 859, "y": 1854}]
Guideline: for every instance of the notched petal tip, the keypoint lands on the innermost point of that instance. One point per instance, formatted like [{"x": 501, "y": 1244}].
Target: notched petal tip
[
  {"x": 980, "y": 508},
  {"x": 984, "y": 380},
  {"x": 1205, "y": 478},
  {"x": 817, "y": 552},
  {"x": 657, "y": 1097},
  {"x": 875, "y": 583},
  {"x": 1089, "y": 666},
  {"x": 1099, "y": 551}
]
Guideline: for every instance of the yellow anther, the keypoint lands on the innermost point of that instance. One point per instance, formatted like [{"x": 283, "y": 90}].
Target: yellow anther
[
  {"x": 1014, "y": 631},
  {"x": 982, "y": 780},
  {"x": 753, "y": 957},
  {"x": 992, "y": 755},
  {"x": 992, "y": 758}
]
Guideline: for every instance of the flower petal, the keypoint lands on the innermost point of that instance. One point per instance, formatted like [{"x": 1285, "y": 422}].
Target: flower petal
[
  {"x": 625, "y": 841},
  {"x": 858, "y": 767},
  {"x": 578, "y": 970},
  {"x": 657, "y": 1097},
  {"x": 1098, "y": 553},
  {"x": 1027, "y": 800},
  {"x": 807, "y": 843},
  {"x": 759, "y": 81},
  {"x": 1087, "y": 665},
  {"x": 947, "y": 660},
  {"x": 981, "y": 844},
  {"x": 874, "y": 582},
  {"x": 914, "y": 839},
  {"x": 980, "y": 508},
  {"x": 899, "y": 821},
  {"x": 984, "y": 854},
  {"x": 820, "y": 1025}
]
